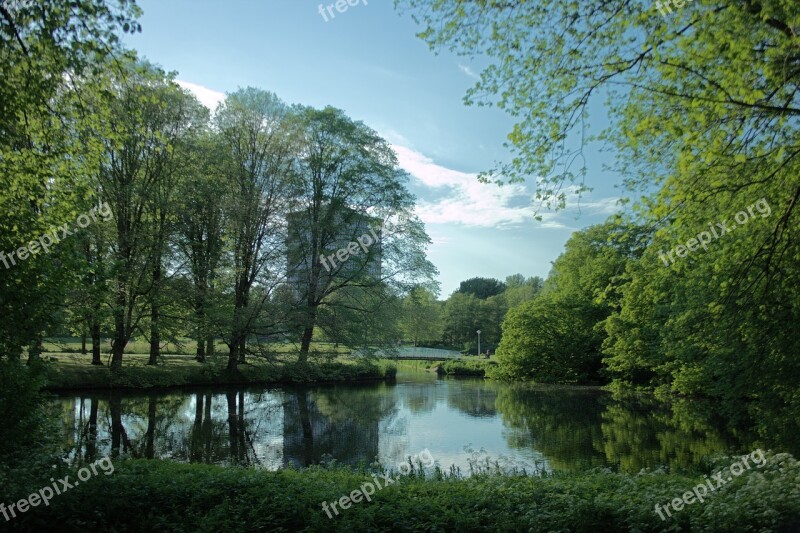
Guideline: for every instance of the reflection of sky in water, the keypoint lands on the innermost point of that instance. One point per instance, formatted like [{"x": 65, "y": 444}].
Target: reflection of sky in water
[{"x": 457, "y": 420}]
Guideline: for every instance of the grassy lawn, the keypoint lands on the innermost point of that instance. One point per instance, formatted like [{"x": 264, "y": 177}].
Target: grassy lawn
[{"x": 68, "y": 369}]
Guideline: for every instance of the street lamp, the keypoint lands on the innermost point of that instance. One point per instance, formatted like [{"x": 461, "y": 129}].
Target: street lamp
[{"x": 479, "y": 343}]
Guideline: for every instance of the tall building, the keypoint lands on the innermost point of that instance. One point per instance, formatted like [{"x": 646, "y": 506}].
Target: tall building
[{"x": 351, "y": 247}]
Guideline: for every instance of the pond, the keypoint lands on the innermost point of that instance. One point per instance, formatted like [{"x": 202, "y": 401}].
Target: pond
[{"x": 461, "y": 422}]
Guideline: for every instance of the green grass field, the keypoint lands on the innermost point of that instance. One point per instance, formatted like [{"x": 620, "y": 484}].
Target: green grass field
[{"x": 67, "y": 368}]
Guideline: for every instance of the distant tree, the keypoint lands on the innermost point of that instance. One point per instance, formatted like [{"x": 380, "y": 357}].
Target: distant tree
[
  {"x": 482, "y": 288},
  {"x": 421, "y": 316},
  {"x": 520, "y": 290}
]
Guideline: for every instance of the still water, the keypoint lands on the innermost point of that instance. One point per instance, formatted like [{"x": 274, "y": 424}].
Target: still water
[{"x": 460, "y": 421}]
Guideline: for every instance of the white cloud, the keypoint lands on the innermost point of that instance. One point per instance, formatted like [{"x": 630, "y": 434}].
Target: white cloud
[
  {"x": 208, "y": 97},
  {"x": 470, "y": 202},
  {"x": 468, "y": 71},
  {"x": 475, "y": 204}
]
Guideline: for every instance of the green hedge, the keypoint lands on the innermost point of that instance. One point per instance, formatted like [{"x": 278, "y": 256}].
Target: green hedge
[
  {"x": 467, "y": 367},
  {"x": 162, "y": 496},
  {"x": 67, "y": 377}
]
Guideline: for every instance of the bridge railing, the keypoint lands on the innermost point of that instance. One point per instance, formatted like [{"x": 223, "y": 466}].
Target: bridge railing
[{"x": 414, "y": 353}]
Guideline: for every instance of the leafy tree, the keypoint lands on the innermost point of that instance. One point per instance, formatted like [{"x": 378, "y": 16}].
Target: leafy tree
[
  {"x": 520, "y": 290},
  {"x": 421, "y": 317},
  {"x": 558, "y": 336},
  {"x": 254, "y": 129},
  {"x": 47, "y": 143},
  {"x": 482, "y": 287},
  {"x": 149, "y": 114},
  {"x": 199, "y": 234},
  {"x": 348, "y": 183}
]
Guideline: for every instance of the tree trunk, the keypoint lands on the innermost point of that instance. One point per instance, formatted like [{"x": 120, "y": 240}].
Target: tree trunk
[
  {"x": 35, "y": 351},
  {"x": 200, "y": 321},
  {"x": 155, "y": 337},
  {"x": 305, "y": 344},
  {"x": 83, "y": 342},
  {"x": 96, "y": 342},
  {"x": 210, "y": 350},
  {"x": 120, "y": 338}
]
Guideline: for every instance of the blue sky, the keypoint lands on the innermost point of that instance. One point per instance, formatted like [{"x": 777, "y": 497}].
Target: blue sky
[{"x": 368, "y": 62}]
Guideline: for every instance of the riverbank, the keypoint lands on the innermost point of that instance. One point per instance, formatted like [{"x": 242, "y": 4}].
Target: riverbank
[
  {"x": 158, "y": 495},
  {"x": 66, "y": 372},
  {"x": 464, "y": 366}
]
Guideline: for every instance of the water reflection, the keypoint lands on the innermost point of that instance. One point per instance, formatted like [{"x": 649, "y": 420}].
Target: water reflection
[{"x": 560, "y": 428}]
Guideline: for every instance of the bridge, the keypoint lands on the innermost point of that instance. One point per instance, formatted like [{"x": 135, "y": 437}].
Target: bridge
[{"x": 411, "y": 353}]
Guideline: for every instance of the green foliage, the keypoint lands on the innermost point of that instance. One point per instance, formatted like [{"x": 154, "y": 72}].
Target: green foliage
[
  {"x": 420, "y": 319},
  {"x": 184, "y": 371},
  {"x": 558, "y": 336},
  {"x": 211, "y": 498},
  {"x": 482, "y": 288},
  {"x": 20, "y": 408},
  {"x": 467, "y": 366}
]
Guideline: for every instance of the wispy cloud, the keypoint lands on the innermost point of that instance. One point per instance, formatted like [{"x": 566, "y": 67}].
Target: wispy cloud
[
  {"x": 469, "y": 202},
  {"x": 468, "y": 71},
  {"x": 208, "y": 97}
]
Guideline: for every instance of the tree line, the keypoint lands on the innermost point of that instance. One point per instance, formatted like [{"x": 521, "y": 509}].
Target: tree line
[{"x": 218, "y": 219}]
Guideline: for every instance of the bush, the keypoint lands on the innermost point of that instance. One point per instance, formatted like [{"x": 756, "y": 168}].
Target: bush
[{"x": 212, "y": 498}]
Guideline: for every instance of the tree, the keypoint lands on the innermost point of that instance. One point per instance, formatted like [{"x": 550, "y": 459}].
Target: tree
[
  {"x": 148, "y": 116},
  {"x": 676, "y": 81},
  {"x": 558, "y": 336},
  {"x": 199, "y": 234},
  {"x": 254, "y": 129},
  {"x": 348, "y": 186},
  {"x": 482, "y": 287},
  {"x": 421, "y": 317},
  {"x": 520, "y": 290},
  {"x": 46, "y": 145}
]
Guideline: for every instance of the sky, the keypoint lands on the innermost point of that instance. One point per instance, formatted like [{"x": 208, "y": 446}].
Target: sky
[{"x": 368, "y": 62}]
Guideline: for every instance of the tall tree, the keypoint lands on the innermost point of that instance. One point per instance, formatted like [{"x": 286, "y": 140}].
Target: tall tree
[
  {"x": 46, "y": 144},
  {"x": 149, "y": 115},
  {"x": 348, "y": 186},
  {"x": 254, "y": 128},
  {"x": 199, "y": 234}
]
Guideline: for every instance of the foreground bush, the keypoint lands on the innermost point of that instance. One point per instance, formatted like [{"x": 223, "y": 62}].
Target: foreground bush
[{"x": 162, "y": 496}]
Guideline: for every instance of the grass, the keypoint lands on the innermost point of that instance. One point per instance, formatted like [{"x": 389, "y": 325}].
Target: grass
[
  {"x": 67, "y": 370},
  {"x": 163, "y": 496}
]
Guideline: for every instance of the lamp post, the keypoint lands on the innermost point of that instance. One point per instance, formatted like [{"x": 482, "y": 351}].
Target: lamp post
[{"x": 479, "y": 343}]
